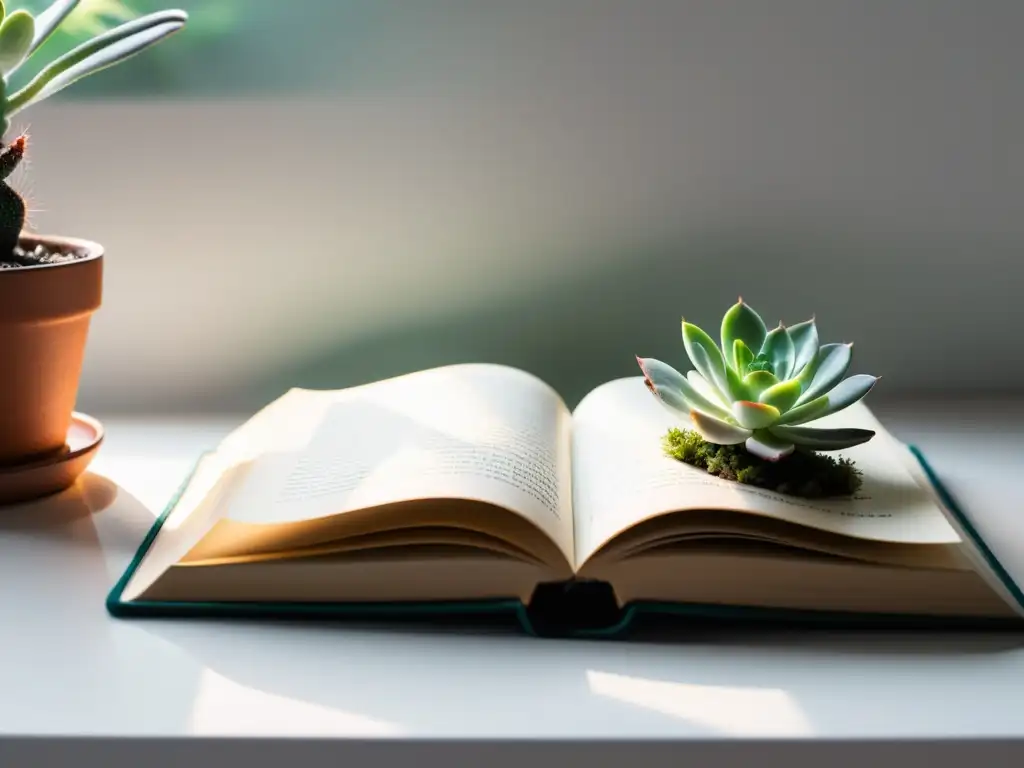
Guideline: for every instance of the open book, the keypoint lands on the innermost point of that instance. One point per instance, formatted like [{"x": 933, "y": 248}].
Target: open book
[{"x": 475, "y": 485}]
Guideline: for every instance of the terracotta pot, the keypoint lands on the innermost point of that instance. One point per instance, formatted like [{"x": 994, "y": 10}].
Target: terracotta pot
[{"x": 44, "y": 320}]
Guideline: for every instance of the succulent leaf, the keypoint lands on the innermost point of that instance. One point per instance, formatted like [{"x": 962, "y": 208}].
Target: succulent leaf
[
  {"x": 674, "y": 390},
  {"x": 673, "y": 401},
  {"x": 782, "y": 395},
  {"x": 742, "y": 356},
  {"x": 668, "y": 396},
  {"x": 805, "y": 344},
  {"x": 757, "y": 382},
  {"x": 761, "y": 363},
  {"x": 16, "y": 33},
  {"x": 828, "y": 368},
  {"x": 818, "y": 439},
  {"x": 94, "y": 55},
  {"x": 809, "y": 411},
  {"x": 761, "y": 386},
  {"x": 3, "y": 10},
  {"x": 767, "y": 446},
  {"x": 705, "y": 355},
  {"x": 778, "y": 348},
  {"x": 741, "y": 323},
  {"x": 737, "y": 390},
  {"x": 48, "y": 21},
  {"x": 844, "y": 394},
  {"x": 707, "y": 389},
  {"x": 754, "y": 415},
  {"x": 717, "y": 431}
]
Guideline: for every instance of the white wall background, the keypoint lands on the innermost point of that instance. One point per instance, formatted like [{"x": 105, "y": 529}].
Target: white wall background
[{"x": 552, "y": 185}]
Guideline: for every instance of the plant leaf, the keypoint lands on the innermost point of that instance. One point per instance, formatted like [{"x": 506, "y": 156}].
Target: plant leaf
[
  {"x": 782, "y": 395},
  {"x": 717, "y": 431},
  {"x": 754, "y": 415},
  {"x": 743, "y": 323},
  {"x": 705, "y": 355},
  {"x": 48, "y": 21},
  {"x": 844, "y": 394},
  {"x": 805, "y": 344},
  {"x": 809, "y": 411},
  {"x": 3, "y": 10},
  {"x": 742, "y": 356},
  {"x": 669, "y": 397},
  {"x": 822, "y": 439},
  {"x": 767, "y": 446},
  {"x": 670, "y": 386},
  {"x": 737, "y": 389},
  {"x": 706, "y": 388},
  {"x": 757, "y": 382},
  {"x": 828, "y": 368},
  {"x": 99, "y": 53},
  {"x": 778, "y": 347},
  {"x": 15, "y": 38}
]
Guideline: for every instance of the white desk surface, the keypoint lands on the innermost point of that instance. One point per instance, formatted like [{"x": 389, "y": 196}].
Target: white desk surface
[{"x": 69, "y": 671}]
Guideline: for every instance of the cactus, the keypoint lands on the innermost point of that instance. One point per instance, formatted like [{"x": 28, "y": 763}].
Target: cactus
[
  {"x": 761, "y": 387},
  {"x": 12, "y": 206},
  {"x": 21, "y": 35}
]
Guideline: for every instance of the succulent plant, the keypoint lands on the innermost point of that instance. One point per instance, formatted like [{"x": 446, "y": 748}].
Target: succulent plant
[
  {"x": 761, "y": 387},
  {"x": 21, "y": 35}
]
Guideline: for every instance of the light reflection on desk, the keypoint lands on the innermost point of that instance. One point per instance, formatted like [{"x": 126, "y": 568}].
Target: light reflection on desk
[
  {"x": 224, "y": 707},
  {"x": 729, "y": 710}
]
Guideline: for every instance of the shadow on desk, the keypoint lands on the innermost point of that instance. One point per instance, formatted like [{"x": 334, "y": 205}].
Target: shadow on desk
[
  {"x": 93, "y": 515},
  {"x": 59, "y": 556},
  {"x": 90, "y": 495}
]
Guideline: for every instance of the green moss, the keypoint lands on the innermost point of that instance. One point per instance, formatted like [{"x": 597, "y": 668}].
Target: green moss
[{"x": 803, "y": 473}]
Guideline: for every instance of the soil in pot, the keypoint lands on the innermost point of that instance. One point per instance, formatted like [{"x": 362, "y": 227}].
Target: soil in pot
[{"x": 40, "y": 254}]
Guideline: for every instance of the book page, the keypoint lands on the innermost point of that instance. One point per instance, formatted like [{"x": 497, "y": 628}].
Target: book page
[
  {"x": 481, "y": 432},
  {"x": 622, "y": 477}
]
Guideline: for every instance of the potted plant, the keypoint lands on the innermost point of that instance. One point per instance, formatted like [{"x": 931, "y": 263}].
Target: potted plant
[
  {"x": 748, "y": 402},
  {"x": 49, "y": 285}
]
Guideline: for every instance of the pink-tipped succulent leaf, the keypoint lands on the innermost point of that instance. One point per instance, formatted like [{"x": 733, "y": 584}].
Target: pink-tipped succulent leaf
[{"x": 761, "y": 386}]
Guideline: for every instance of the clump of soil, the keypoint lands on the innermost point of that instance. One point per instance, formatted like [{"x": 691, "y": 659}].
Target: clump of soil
[
  {"x": 39, "y": 255},
  {"x": 803, "y": 473}
]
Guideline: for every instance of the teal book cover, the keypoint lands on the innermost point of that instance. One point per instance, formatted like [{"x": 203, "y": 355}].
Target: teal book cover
[{"x": 581, "y": 609}]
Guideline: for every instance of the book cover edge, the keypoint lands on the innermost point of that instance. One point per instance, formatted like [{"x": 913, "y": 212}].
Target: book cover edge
[
  {"x": 119, "y": 608},
  {"x": 956, "y": 510}
]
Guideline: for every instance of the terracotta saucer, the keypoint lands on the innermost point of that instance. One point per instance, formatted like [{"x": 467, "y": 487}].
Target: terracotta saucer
[{"x": 53, "y": 474}]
